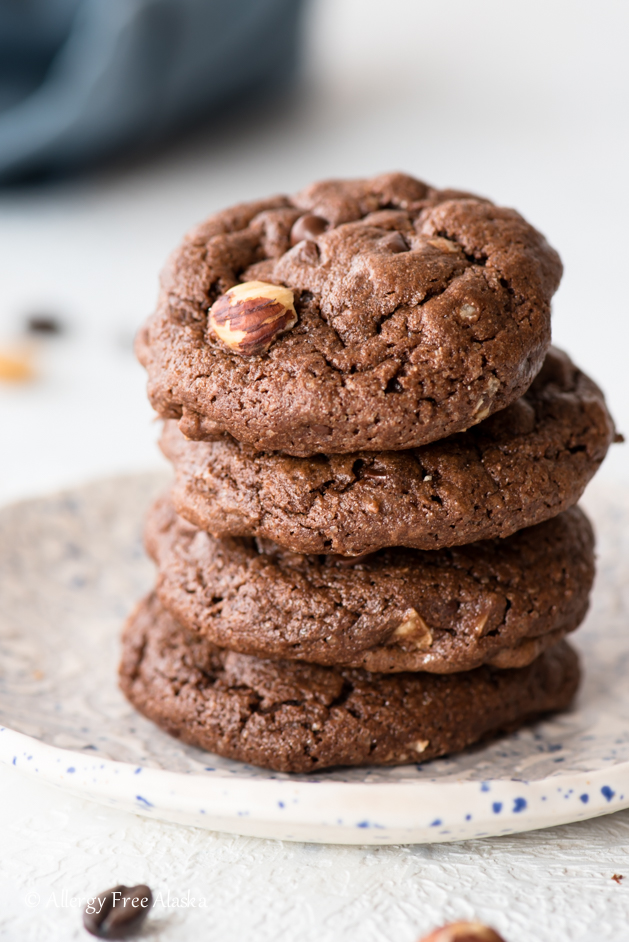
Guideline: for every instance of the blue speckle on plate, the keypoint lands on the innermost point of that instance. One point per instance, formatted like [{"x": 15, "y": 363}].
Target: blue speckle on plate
[
  {"x": 14, "y": 760},
  {"x": 607, "y": 792},
  {"x": 468, "y": 817},
  {"x": 496, "y": 807},
  {"x": 280, "y": 804},
  {"x": 138, "y": 770},
  {"x": 584, "y": 798},
  {"x": 143, "y": 801},
  {"x": 485, "y": 786},
  {"x": 436, "y": 823},
  {"x": 71, "y": 769},
  {"x": 519, "y": 804}
]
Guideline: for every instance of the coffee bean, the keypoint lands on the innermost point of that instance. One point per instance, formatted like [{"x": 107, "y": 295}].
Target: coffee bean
[
  {"x": 44, "y": 324},
  {"x": 118, "y": 912},
  {"x": 307, "y": 227}
]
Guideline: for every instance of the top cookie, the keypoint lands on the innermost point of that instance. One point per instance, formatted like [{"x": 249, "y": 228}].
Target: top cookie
[{"x": 418, "y": 313}]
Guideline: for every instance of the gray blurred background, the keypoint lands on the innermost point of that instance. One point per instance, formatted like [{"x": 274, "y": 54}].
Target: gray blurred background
[{"x": 524, "y": 102}]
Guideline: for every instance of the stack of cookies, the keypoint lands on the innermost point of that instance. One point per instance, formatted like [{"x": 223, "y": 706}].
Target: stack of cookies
[{"x": 371, "y": 553}]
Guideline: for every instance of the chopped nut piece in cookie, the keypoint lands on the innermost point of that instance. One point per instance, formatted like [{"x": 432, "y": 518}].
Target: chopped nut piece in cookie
[
  {"x": 492, "y": 388},
  {"x": 119, "y": 912},
  {"x": 469, "y": 313},
  {"x": 248, "y": 317},
  {"x": 445, "y": 245},
  {"x": 421, "y": 745},
  {"x": 414, "y": 629}
]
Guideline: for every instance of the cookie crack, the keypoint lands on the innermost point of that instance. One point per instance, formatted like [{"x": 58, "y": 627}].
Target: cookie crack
[{"x": 479, "y": 260}]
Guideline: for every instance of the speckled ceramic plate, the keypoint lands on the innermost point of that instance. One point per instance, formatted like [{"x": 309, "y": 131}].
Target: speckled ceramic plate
[{"x": 71, "y": 567}]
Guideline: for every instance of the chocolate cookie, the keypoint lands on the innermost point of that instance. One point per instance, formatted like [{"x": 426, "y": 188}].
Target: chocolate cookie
[
  {"x": 517, "y": 468},
  {"x": 417, "y": 313},
  {"x": 498, "y": 602},
  {"x": 300, "y": 717}
]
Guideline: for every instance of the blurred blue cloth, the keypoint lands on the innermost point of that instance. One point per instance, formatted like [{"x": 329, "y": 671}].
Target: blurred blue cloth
[{"x": 83, "y": 79}]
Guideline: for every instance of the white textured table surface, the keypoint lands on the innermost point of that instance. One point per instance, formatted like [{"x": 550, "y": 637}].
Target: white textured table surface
[
  {"x": 519, "y": 101},
  {"x": 546, "y": 886}
]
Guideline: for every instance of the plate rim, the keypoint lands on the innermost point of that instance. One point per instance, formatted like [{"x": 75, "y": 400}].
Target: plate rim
[{"x": 290, "y": 809}]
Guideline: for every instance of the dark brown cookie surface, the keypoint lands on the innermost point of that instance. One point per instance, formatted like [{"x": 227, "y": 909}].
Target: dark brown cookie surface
[
  {"x": 521, "y": 466},
  {"x": 498, "y": 602},
  {"x": 299, "y": 717},
  {"x": 420, "y": 313}
]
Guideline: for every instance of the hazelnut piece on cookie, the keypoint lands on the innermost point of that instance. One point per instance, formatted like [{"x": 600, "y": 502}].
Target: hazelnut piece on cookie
[{"x": 248, "y": 317}]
